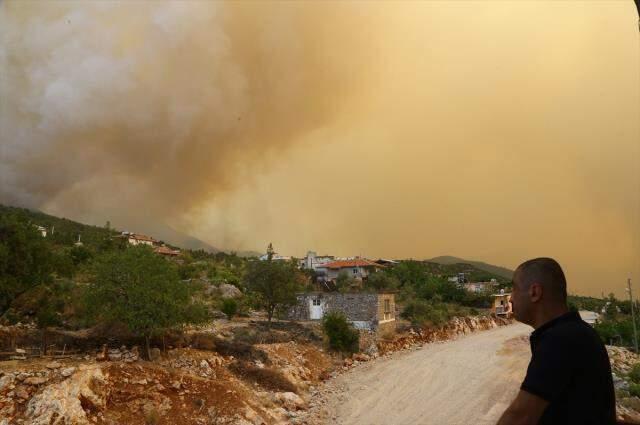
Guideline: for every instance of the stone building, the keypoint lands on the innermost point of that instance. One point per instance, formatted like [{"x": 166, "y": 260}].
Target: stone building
[{"x": 368, "y": 311}]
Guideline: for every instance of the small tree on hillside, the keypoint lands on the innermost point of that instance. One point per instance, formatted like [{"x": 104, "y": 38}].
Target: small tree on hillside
[
  {"x": 275, "y": 283},
  {"x": 342, "y": 336},
  {"x": 382, "y": 281},
  {"x": 229, "y": 307},
  {"x": 141, "y": 290}
]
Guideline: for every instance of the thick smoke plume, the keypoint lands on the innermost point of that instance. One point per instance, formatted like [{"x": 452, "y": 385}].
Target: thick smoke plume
[
  {"x": 496, "y": 131},
  {"x": 146, "y": 109}
]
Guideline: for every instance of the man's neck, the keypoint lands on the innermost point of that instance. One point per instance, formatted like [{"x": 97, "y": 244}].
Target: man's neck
[{"x": 547, "y": 315}]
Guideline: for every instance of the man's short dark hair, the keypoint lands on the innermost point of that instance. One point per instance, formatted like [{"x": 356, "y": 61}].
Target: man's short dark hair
[{"x": 547, "y": 272}]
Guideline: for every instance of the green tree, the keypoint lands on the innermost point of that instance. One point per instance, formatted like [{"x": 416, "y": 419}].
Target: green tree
[
  {"x": 141, "y": 290},
  {"x": 229, "y": 307},
  {"x": 410, "y": 272},
  {"x": 25, "y": 260},
  {"x": 342, "y": 337},
  {"x": 275, "y": 284},
  {"x": 382, "y": 281}
]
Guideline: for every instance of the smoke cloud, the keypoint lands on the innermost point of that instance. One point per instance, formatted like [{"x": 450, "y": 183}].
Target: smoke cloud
[
  {"x": 153, "y": 105},
  {"x": 496, "y": 131}
]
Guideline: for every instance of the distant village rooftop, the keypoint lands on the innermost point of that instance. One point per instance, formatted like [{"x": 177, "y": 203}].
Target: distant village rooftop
[{"x": 358, "y": 262}]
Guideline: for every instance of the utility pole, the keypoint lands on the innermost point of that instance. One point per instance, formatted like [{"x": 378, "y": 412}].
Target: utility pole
[{"x": 633, "y": 316}]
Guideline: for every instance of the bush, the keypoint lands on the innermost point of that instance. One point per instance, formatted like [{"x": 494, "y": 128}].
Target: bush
[
  {"x": 382, "y": 281},
  {"x": 634, "y": 390},
  {"x": 430, "y": 313},
  {"x": 229, "y": 307},
  {"x": 342, "y": 337},
  {"x": 634, "y": 375}
]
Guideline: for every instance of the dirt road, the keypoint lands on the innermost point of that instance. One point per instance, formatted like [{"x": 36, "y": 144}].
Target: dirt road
[{"x": 469, "y": 381}]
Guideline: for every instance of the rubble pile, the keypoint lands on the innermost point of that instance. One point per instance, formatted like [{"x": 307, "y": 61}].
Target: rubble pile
[
  {"x": 119, "y": 354},
  {"x": 622, "y": 361}
]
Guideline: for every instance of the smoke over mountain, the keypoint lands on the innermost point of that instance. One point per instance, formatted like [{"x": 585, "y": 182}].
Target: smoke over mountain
[
  {"x": 494, "y": 131},
  {"x": 154, "y": 105}
]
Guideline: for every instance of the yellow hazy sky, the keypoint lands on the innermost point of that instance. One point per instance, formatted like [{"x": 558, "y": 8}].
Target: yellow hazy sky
[{"x": 493, "y": 131}]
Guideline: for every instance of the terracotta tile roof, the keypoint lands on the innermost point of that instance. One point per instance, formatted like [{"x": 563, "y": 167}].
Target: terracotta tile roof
[
  {"x": 166, "y": 251},
  {"x": 350, "y": 263}
]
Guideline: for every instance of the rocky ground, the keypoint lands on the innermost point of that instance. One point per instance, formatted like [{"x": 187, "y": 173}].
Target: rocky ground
[
  {"x": 239, "y": 377},
  {"x": 622, "y": 361}
]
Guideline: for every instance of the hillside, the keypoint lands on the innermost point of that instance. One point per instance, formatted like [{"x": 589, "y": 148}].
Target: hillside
[
  {"x": 496, "y": 270},
  {"x": 65, "y": 231}
]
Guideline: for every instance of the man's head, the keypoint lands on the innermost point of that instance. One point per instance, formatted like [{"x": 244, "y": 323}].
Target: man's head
[{"x": 539, "y": 286}]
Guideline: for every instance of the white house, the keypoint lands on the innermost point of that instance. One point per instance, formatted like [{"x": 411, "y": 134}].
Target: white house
[
  {"x": 42, "y": 230},
  {"x": 480, "y": 286},
  {"x": 591, "y": 317},
  {"x": 138, "y": 239},
  {"x": 275, "y": 257}
]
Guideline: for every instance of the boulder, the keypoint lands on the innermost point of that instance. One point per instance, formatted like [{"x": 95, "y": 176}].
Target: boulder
[
  {"x": 53, "y": 365},
  {"x": 290, "y": 401},
  {"x": 67, "y": 371},
  {"x": 229, "y": 291},
  {"x": 6, "y": 380},
  {"x": 35, "y": 380},
  {"x": 63, "y": 403}
]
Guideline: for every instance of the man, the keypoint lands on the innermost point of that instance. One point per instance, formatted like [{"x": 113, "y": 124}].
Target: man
[{"x": 568, "y": 380}]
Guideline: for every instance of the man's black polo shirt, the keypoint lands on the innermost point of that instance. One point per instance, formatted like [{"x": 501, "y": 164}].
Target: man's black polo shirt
[{"x": 570, "y": 369}]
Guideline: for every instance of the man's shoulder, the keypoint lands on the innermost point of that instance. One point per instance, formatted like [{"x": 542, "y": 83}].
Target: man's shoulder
[{"x": 569, "y": 333}]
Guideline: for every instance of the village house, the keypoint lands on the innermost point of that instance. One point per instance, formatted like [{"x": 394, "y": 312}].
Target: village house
[
  {"x": 138, "y": 239},
  {"x": 42, "y": 230},
  {"x": 166, "y": 251},
  {"x": 591, "y": 317},
  {"x": 275, "y": 257},
  {"x": 480, "y": 286},
  {"x": 357, "y": 268},
  {"x": 368, "y": 311},
  {"x": 312, "y": 261},
  {"x": 502, "y": 304}
]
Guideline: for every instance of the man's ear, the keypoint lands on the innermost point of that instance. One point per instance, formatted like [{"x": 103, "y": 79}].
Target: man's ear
[{"x": 535, "y": 292}]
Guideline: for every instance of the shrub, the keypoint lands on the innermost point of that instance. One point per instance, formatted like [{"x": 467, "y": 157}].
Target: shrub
[
  {"x": 634, "y": 390},
  {"x": 429, "y": 313},
  {"x": 342, "y": 337},
  {"x": 229, "y": 307},
  {"x": 635, "y": 373}
]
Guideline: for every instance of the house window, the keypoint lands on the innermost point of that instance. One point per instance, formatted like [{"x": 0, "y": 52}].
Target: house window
[
  {"x": 355, "y": 271},
  {"x": 316, "y": 301}
]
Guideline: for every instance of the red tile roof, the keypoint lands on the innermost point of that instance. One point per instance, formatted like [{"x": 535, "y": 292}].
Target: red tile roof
[
  {"x": 166, "y": 251},
  {"x": 350, "y": 263}
]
